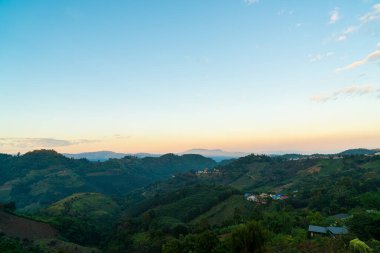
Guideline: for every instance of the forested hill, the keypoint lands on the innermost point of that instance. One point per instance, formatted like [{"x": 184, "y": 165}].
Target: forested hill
[
  {"x": 188, "y": 203},
  {"x": 206, "y": 211},
  {"x": 42, "y": 177}
]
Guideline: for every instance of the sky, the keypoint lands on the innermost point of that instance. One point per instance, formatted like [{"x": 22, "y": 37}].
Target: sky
[{"x": 262, "y": 76}]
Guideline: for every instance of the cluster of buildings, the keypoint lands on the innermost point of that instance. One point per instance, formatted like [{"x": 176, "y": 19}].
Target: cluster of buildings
[
  {"x": 207, "y": 171},
  {"x": 263, "y": 197},
  {"x": 317, "y": 156}
]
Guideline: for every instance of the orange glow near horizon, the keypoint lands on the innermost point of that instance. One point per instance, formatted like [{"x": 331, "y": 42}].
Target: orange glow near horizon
[
  {"x": 174, "y": 144},
  {"x": 274, "y": 139}
]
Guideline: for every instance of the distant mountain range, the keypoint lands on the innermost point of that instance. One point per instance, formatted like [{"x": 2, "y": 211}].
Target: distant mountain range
[
  {"x": 105, "y": 155},
  {"x": 217, "y": 155}
]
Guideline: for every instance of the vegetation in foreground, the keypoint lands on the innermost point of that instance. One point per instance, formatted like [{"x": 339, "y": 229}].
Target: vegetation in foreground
[{"x": 207, "y": 211}]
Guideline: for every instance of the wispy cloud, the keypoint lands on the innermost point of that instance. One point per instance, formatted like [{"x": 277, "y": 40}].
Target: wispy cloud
[
  {"x": 371, "y": 57},
  {"x": 250, "y": 2},
  {"x": 334, "y": 16},
  {"x": 366, "y": 18},
  {"x": 40, "y": 142},
  {"x": 319, "y": 56},
  {"x": 344, "y": 35},
  {"x": 119, "y": 136},
  {"x": 352, "y": 91},
  {"x": 285, "y": 12},
  {"x": 371, "y": 16}
]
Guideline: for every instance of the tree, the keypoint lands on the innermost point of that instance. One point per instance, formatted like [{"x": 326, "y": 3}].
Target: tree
[
  {"x": 358, "y": 246},
  {"x": 171, "y": 246},
  {"x": 279, "y": 222},
  {"x": 248, "y": 238},
  {"x": 206, "y": 242},
  {"x": 365, "y": 225}
]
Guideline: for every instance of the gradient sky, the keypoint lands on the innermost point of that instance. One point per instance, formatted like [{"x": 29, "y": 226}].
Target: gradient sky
[{"x": 170, "y": 75}]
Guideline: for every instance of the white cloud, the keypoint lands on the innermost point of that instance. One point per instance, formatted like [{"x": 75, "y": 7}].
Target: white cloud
[
  {"x": 366, "y": 18},
  {"x": 285, "y": 12},
  {"x": 348, "y": 92},
  {"x": 319, "y": 56},
  {"x": 249, "y": 2},
  {"x": 315, "y": 57},
  {"x": 350, "y": 29},
  {"x": 334, "y": 16},
  {"x": 343, "y": 36},
  {"x": 371, "y": 57},
  {"x": 371, "y": 16},
  {"x": 378, "y": 44}
]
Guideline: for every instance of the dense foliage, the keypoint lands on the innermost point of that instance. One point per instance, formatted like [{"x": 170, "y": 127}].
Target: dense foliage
[
  {"x": 318, "y": 188},
  {"x": 206, "y": 211},
  {"x": 40, "y": 178}
]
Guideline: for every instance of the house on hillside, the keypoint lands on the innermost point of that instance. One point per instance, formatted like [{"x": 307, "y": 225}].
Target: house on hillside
[
  {"x": 279, "y": 196},
  {"x": 326, "y": 231},
  {"x": 202, "y": 172},
  {"x": 316, "y": 230},
  {"x": 255, "y": 198},
  {"x": 264, "y": 195},
  {"x": 252, "y": 198}
]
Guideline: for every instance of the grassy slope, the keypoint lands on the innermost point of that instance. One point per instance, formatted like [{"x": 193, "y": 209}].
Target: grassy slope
[
  {"x": 225, "y": 211},
  {"x": 89, "y": 206}
]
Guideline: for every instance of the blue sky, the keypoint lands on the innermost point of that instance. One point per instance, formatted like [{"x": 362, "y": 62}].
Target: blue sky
[{"x": 165, "y": 76}]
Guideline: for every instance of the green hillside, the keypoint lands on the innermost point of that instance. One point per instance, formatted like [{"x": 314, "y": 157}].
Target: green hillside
[
  {"x": 225, "y": 211},
  {"x": 359, "y": 151},
  {"x": 40, "y": 178},
  {"x": 24, "y": 235},
  {"x": 202, "y": 208},
  {"x": 84, "y": 218},
  {"x": 319, "y": 187},
  {"x": 88, "y": 206}
]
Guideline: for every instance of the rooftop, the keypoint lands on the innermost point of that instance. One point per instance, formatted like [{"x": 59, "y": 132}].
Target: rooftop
[{"x": 324, "y": 230}]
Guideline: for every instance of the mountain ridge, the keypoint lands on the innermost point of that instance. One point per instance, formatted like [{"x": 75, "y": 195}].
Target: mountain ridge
[{"x": 216, "y": 154}]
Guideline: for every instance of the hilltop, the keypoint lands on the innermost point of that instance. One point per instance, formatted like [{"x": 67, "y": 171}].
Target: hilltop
[
  {"x": 360, "y": 151},
  {"x": 42, "y": 177}
]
